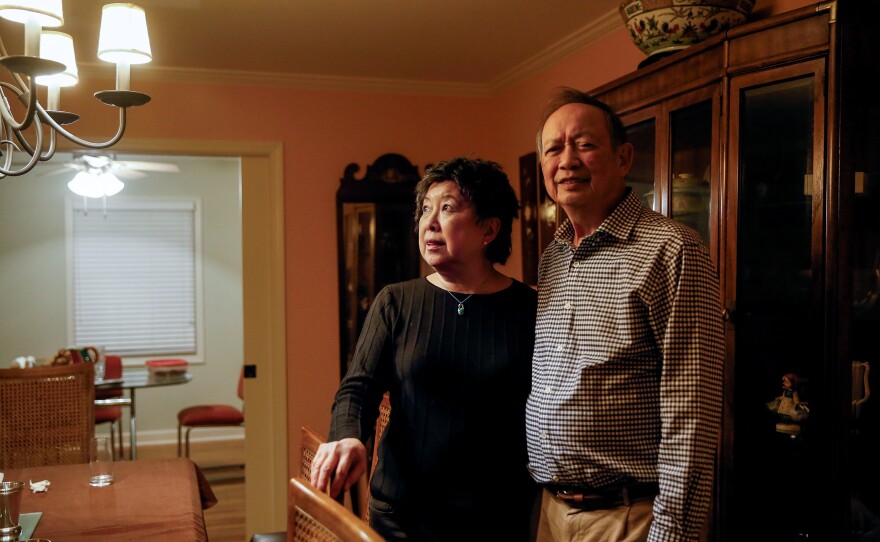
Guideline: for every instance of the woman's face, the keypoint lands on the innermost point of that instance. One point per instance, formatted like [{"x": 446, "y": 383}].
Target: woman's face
[
  {"x": 449, "y": 235},
  {"x": 786, "y": 383}
]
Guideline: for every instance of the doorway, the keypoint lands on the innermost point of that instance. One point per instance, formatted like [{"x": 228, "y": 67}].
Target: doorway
[{"x": 264, "y": 318}]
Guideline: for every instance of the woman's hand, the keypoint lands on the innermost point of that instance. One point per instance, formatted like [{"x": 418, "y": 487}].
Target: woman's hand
[{"x": 337, "y": 465}]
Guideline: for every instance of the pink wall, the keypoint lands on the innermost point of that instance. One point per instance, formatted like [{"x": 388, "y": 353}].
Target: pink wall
[{"x": 322, "y": 132}]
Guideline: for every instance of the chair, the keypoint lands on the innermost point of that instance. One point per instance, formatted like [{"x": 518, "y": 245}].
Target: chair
[
  {"x": 215, "y": 415},
  {"x": 381, "y": 423},
  {"x": 314, "y": 517},
  {"x": 308, "y": 446},
  {"x": 111, "y": 414},
  {"x": 46, "y": 415},
  {"x": 359, "y": 494}
]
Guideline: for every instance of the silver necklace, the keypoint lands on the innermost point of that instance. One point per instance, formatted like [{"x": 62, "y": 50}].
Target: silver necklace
[{"x": 460, "y": 302}]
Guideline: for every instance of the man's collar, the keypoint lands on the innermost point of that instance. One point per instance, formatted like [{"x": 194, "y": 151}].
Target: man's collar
[{"x": 619, "y": 223}]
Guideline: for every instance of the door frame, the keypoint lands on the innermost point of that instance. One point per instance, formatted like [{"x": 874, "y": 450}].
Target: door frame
[{"x": 262, "y": 216}]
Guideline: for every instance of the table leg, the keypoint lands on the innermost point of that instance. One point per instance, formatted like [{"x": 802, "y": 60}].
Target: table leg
[{"x": 132, "y": 438}]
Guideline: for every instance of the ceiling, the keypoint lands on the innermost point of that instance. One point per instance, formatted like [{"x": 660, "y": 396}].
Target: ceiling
[{"x": 471, "y": 44}]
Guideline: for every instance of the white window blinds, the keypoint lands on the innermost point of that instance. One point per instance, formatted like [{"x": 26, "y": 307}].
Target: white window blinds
[{"x": 134, "y": 278}]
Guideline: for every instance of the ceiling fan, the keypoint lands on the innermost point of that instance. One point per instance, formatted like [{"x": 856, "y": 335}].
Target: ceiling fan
[
  {"x": 98, "y": 163},
  {"x": 98, "y": 174}
]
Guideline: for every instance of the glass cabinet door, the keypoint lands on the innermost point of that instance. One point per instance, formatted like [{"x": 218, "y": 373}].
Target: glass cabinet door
[
  {"x": 861, "y": 184},
  {"x": 673, "y": 170},
  {"x": 776, "y": 248},
  {"x": 642, "y": 175},
  {"x": 691, "y": 139}
]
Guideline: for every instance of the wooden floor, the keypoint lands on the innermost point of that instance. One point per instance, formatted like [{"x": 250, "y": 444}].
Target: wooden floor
[{"x": 225, "y": 520}]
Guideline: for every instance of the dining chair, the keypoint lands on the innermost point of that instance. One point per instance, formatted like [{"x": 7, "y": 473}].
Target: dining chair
[
  {"x": 111, "y": 414},
  {"x": 308, "y": 446},
  {"x": 210, "y": 415},
  {"x": 381, "y": 423},
  {"x": 46, "y": 415},
  {"x": 358, "y": 496},
  {"x": 314, "y": 517}
]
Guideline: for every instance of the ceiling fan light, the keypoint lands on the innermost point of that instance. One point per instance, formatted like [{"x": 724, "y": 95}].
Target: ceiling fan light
[
  {"x": 110, "y": 184},
  {"x": 85, "y": 184},
  {"x": 47, "y": 13},
  {"x": 124, "y": 37},
  {"x": 58, "y": 46}
]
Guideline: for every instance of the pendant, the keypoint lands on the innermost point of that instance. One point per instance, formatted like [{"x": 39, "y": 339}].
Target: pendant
[{"x": 460, "y": 309}]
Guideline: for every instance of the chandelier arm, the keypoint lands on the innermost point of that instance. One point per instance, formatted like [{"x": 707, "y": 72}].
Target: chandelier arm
[
  {"x": 50, "y": 152},
  {"x": 8, "y": 145},
  {"x": 43, "y": 156},
  {"x": 34, "y": 157},
  {"x": 6, "y": 110},
  {"x": 23, "y": 142},
  {"x": 41, "y": 113}
]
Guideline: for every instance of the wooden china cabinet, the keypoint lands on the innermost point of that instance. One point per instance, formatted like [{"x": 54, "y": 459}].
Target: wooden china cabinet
[{"x": 766, "y": 140}]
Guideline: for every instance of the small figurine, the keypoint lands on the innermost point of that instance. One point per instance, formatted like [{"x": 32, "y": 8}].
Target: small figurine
[{"x": 788, "y": 406}]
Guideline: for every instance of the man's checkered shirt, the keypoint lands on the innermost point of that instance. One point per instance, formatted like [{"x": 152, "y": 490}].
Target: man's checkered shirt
[{"x": 628, "y": 364}]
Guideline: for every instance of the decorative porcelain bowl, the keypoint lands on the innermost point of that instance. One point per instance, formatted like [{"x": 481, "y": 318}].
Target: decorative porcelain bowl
[{"x": 664, "y": 26}]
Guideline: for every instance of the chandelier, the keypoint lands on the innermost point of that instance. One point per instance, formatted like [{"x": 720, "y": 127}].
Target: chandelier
[{"x": 49, "y": 61}]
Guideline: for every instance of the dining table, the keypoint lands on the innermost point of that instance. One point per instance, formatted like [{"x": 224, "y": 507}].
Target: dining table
[
  {"x": 149, "y": 500},
  {"x": 133, "y": 381}
]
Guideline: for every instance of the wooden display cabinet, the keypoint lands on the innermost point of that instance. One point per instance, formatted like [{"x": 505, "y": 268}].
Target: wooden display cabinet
[{"x": 766, "y": 140}]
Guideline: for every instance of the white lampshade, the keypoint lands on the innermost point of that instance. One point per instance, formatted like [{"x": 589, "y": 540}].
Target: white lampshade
[
  {"x": 58, "y": 46},
  {"x": 110, "y": 184},
  {"x": 95, "y": 186},
  {"x": 124, "y": 37},
  {"x": 47, "y": 13}
]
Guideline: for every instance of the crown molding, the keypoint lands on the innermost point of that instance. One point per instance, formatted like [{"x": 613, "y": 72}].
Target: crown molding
[
  {"x": 290, "y": 80},
  {"x": 577, "y": 40},
  {"x": 592, "y": 32}
]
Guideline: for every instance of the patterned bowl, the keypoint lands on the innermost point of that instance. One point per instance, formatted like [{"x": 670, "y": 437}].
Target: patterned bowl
[{"x": 664, "y": 26}]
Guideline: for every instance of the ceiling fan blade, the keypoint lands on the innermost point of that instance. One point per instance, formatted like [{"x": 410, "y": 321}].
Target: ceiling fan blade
[
  {"x": 149, "y": 166},
  {"x": 129, "y": 174},
  {"x": 50, "y": 172}
]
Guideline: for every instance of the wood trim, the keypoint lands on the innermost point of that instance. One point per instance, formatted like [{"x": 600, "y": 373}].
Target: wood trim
[{"x": 264, "y": 314}]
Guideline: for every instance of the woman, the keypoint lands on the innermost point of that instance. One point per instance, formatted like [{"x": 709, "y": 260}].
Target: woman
[{"x": 454, "y": 349}]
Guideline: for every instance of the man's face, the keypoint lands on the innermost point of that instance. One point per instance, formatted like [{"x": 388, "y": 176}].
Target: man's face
[{"x": 581, "y": 168}]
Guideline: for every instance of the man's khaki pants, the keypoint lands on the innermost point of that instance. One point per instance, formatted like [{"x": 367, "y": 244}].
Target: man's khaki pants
[{"x": 560, "y": 522}]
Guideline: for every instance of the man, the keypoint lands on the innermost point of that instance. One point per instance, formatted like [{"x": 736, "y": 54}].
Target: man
[{"x": 625, "y": 408}]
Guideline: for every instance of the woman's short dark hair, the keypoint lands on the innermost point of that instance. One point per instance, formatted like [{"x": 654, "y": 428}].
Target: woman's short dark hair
[
  {"x": 568, "y": 95},
  {"x": 485, "y": 185}
]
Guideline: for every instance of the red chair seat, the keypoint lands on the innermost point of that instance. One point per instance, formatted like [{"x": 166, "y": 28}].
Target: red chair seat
[
  {"x": 212, "y": 415},
  {"x": 206, "y": 415},
  {"x": 107, "y": 414}
]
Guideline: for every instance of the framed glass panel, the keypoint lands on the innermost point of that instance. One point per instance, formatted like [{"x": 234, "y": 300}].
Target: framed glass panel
[
  {"x": 691, "y": 140},
  {"x": 779, "y": 308},
  {"x": 642, "y": 175}
]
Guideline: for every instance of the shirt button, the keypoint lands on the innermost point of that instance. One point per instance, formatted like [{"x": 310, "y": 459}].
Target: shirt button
[
  {"x": 559, "y": 348},
  {"x": 543, "y": 435},
  {"x": 548, "y": 389},
  {"x": 577, "y": 264},
  {"x": 568, "y": 305},
  {"x": 555, "y": 478}
]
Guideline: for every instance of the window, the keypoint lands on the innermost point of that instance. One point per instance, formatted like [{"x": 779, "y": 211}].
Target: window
[{"x": 135, "y": 277}]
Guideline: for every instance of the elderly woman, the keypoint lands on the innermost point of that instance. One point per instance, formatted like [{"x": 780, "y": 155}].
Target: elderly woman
[{"x": 454, "y": 349}]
